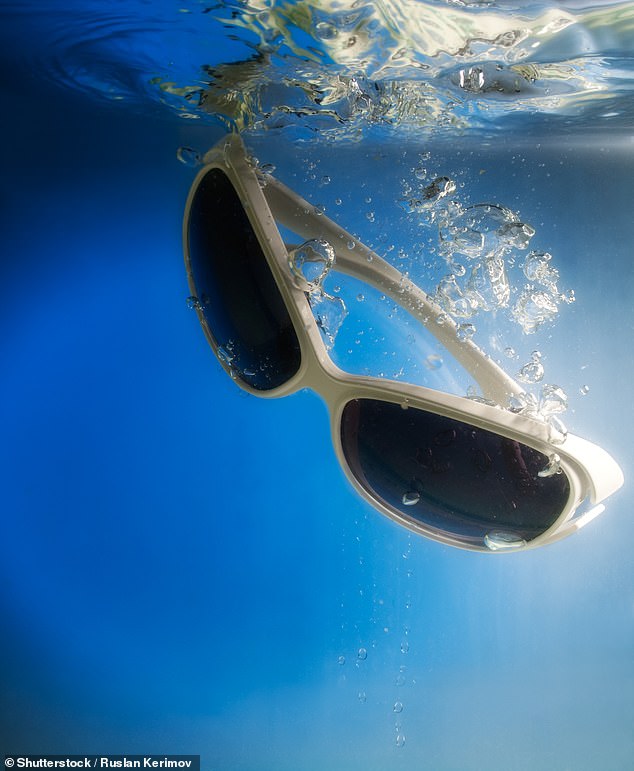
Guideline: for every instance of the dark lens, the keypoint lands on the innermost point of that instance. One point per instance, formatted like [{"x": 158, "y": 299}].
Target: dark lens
[
  {"x": 454, "y": 477},
  {"x": 241, "y": 303}
]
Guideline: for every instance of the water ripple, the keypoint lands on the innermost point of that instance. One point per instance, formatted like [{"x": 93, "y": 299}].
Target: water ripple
[{"x": 343, "y": 67}]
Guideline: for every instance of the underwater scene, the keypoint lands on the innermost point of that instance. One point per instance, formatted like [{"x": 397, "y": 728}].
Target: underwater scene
[{"x": 188, "y": 568}]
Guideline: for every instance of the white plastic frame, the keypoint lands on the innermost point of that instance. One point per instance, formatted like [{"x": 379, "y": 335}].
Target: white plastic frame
[{"x": 591, "y": 471}]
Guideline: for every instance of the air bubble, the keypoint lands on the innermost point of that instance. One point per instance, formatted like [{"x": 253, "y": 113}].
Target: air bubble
[
  {"x": 433, "y": 362},
  {"x": 516, "y": 234},
  {"x": 410, "y": 498},
  {"x": 326, "y": 31},
  {"x": 465, "y": 332},
  {"x": 481, "y": 230},
  {"x": 471, "y": 79},
  {"x": 189, "y": 157},
  {"x": 225, "y": 353},
  {"x": 584, "y": 390},
  {"x": 362, "y": 654},
  {"x": 553, "y": 467},
  {"x": 440, "y": 188},
  {"x": 398, "y": 707},
  {"x": 557, "y": 430},
  {"x": 451, "y": 299},
  {"x": 488, "y": 287},
  {"x": 498, "y": 540},
  {"x": 266, "y": 168},
  {"x": 523, "y": 403},
  {"x": 330, "y": 313},
  {"x": 194, "y": 303},
  {"x": 533, "y": 371},
  {"x": 534, "y": 308},
  {"x": 553, "y": 400},
  {"x": 310, "y": 263},
  {"x": 404, "y": 646},
  {"x": 341, "y": 660},
  {"x": 537, "y": 269}
]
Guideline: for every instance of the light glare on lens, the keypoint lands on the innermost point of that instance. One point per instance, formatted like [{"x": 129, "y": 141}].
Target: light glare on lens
[{"x": 498, "y": 540}]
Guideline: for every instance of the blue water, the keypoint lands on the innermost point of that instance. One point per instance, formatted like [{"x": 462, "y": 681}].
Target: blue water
[{"x": 185, "y": 569}]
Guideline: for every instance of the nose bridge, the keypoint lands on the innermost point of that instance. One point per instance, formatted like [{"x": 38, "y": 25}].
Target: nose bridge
[
  {"x": 321, "y": 375},
  {"x": 318, "y": 371}
]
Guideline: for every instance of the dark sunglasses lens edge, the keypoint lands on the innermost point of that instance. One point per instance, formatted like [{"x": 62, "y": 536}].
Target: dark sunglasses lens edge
[{"x": 235, "y": 290}]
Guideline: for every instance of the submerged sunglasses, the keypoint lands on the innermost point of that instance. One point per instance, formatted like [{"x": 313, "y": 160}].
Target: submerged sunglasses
[{"x": 460, "y": 471}]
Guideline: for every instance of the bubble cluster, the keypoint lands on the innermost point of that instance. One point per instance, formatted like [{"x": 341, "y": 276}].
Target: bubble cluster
[
  {"x": 330, "y": 313},
  {"x": 493, "y": 276},
  {"x": 482, "y": 231},
  {"x": 479, "y": 243},
  {"x": 483, "y": 244},
  {"x": 426, "y": 197},
  {"x": 539, "y": 300},
  {"x": 532, "y": 371},
  {"x": 309, "y": 265},
  {"x": 547, "y": 406}
]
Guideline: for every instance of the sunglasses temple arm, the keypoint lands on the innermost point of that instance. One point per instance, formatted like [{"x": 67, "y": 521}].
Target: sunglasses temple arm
[{"x": 362, "y": 263}]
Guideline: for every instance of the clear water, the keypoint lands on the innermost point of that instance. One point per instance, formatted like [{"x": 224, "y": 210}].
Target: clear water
[{"x": 186, "y": 569}]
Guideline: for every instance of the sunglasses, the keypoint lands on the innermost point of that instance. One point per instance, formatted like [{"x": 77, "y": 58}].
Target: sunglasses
[{"x": 457, "y": 470}]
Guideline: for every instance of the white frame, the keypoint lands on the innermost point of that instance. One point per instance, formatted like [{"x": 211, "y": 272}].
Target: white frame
[{"x": 591, "y": 471}]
